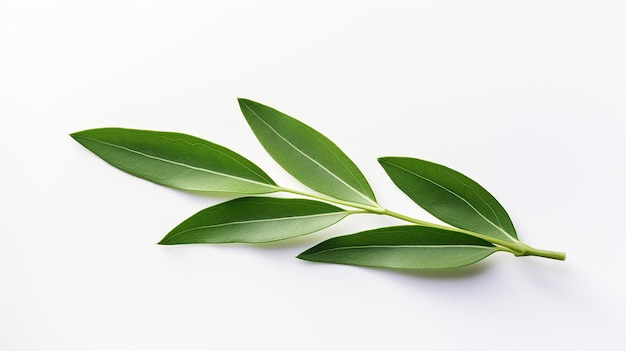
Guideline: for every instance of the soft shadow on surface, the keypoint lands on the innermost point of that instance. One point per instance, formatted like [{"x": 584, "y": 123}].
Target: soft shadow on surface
[
  {"x": 299, "y": 243},
  {"x": 548, "y": 274},
  {"x": 304, "y": 242},
  {"x": 213, "y": 196}
]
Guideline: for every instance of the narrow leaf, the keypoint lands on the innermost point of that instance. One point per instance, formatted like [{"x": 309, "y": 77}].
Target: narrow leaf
[
  {"x": 402, "y": 247},
  {"x": 307, "y": 155},
  {"x": 176, "y": 160},
  {"x": 450, "y": 196},
  {"x": 255, "y": 220}
]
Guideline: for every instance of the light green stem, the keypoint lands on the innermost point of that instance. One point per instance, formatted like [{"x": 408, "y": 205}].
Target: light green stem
[{"x": 517, "y": 248}]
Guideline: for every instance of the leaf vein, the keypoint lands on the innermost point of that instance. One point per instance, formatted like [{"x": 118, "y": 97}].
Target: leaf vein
[
  {"x": 190, "y": 167},
  {"x": 310, "y": 158},
  {"x": 458, "y": 196},
  {"x": 402, "y": 246},
  {"x": 344, "y": 213}
]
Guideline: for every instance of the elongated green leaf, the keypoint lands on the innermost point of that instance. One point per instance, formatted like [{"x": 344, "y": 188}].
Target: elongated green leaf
[
  {"x": 450, "y": 196},
  {"x": 176, "y": 160},
  {"x": 402, "y": 247},
  {"x": 255, "y": 220},
  {"x": 307, "y": 155}
]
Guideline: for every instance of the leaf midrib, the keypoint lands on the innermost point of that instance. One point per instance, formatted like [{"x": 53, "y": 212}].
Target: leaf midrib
[
  {"x": 180, "y": 163},
  {"x": 359, "y": 247},
  {"x": 310, "y": 158},
  {"x": 458, "y": 196},
  {"x": 264, "y": 177},
  {"x": 345, "y": 213}
]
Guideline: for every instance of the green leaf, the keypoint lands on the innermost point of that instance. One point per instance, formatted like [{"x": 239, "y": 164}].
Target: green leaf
[
  {"x": 307, "y": 155},
  {"x": 176, "y": 160},
  {"x": 255, "y": 220},
  {"x": 450, "y": 196},
  {"x": 402, "y": 247}
]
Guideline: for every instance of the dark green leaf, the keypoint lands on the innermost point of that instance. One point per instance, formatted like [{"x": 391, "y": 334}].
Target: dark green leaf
[
  {"x": 255, "y": 220},
  {"x": 402, "y": 247},
  {"x": 176, "y": 160},
  {"x": 307, "y": 155},
  {"x": 450, "y": 196}
]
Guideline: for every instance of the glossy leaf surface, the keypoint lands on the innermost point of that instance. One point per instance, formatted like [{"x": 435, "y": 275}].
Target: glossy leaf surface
[
  {"x": 176, "y": 160},
  {"x": 307, "y": 155},
  {"x": 402, "y": 247},
  {"x": 450, "y": 196},
  {"x": 255, "y": 220}
]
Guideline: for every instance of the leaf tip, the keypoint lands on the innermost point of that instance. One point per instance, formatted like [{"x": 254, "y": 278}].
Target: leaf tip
[
  {"x": 243, "y": 101},
  {"x": 304, "y": 256},
  {"x": 309, "y": 254},
  {"x": 165, "y": 241},
  {"x": 383, "y": 160},
  {"x": 74, "y": 135}
]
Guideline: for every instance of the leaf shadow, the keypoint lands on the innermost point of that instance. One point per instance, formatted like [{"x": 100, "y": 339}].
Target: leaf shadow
[
  {"x": 211, "y": 195},
  {"x": 302, "y": 242}
]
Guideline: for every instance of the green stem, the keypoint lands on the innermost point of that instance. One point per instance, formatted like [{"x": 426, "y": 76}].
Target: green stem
[
  {"x": 531, "y": 251},
  {"x": 516, "y": 248},
  {"x": 371, "y": 209}
]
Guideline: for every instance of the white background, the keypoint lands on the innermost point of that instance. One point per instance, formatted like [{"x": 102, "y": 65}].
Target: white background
[{"x": 526, "y": 97}]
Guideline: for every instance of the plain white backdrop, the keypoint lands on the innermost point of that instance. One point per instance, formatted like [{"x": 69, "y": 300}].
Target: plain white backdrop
[{"x": 526, "y": 97}]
